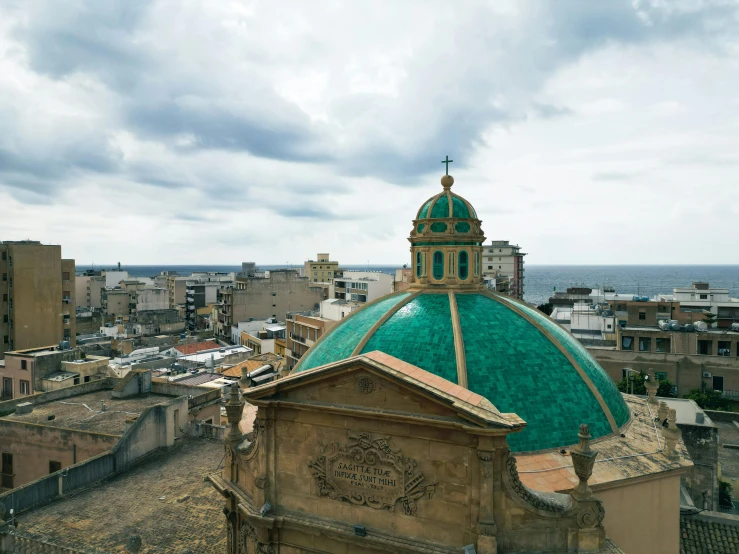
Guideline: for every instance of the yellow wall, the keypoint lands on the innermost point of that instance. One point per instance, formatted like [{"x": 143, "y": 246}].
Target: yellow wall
[{"x": 644, "y": 517}]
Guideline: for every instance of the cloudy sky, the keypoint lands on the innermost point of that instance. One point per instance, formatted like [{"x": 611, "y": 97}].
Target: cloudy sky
[{"x": 215, "y": 132}]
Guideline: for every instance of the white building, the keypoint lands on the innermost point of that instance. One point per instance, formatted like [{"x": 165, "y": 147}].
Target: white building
[
  {"x": 335, "y": 309},
  {"x": 361, "y": 286},
  {"x": 151, "y": 298},
  {"x": 113, "y": 278},
  {"x": 699, "y": 297},
  {"x": 502, "y": 267}
]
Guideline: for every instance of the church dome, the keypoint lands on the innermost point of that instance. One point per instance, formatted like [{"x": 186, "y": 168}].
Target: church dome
[{"x": 449, "y": 324}]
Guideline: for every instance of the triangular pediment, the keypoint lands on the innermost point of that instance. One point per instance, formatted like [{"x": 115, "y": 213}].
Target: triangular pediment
[{"x": 384, "y": 386}]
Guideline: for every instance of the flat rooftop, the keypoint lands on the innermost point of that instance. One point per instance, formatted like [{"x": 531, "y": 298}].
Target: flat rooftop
[
  {"x": 164, "y": 500},
  {"x": 83, "y": 412}
]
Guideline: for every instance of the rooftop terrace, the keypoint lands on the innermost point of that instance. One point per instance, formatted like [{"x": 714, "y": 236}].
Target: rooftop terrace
[{"x": 83, "y": 412}]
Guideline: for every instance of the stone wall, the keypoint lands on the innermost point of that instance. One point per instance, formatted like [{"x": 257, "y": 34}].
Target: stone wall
[
  {"x": 34, "y": 446},
  {"x": 702, "y": 445},
  {"x": 155, "y": 428}
]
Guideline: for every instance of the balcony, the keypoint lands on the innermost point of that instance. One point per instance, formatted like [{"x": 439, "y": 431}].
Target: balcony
[{"x": 297, "y": 338}]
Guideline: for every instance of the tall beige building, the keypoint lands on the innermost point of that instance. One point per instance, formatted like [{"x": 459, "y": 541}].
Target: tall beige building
[
  {"x": 37, "y": 302},
  {"x": 321, "y": 270}
]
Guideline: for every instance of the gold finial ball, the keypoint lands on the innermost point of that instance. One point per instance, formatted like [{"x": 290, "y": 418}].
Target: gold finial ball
[{"x": 447, "y": 181}]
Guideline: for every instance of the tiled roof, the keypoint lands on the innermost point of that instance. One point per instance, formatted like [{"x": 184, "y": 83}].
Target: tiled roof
[
  {"x": 507, "y": 347},
  {"x": 709, "y": 533},
  {"x": 195, "y": 347},
  {"x": 163, "y": 500},
  {"x": 553, "y": 472}
]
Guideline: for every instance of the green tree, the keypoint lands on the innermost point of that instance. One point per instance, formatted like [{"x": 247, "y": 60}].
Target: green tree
[
  {"x": 724, "y": 494},
  {"x": 709, "y": 399},
  {"x": 665, "y": 385},
  {"x": 546, "y": 308},
  {"x": 709, "y": 319}
]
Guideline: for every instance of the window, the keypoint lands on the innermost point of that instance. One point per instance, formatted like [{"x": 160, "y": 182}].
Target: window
[
  {"x": 24, "y": 364},
  {"x": 645, "y": 344},
  {"x": 419, "y": 266},
  {"x": 87, "y": 378},
  {"x": 718, "y": 383},
  {"x": 724, "y": 348},
  {"x": 462, "y": 271},
  {"x": 627, "y": 343},
  {"x": 704, "y": 347},
  {"x": 5, "y": 318},
  {"x": 5, "y": 297},
  {"x": 662, "y": 344},
  {"x": 704, "y": 297},
  {"x": 642, "y": 315},
  {"x": 54, "y": 466},
  {"x": 438, "y": 265},
  {"x": 5, "y": 339},
  {"x": 490, "y": 267},
  {"x": 5, "y": 276},
  {"x": 620, "y": 307},
  {"x": 5, "y": 255},
  {"x": 25, "y": 387},
  {"x": 660, "y": 375},
  {"x": 477, "y": 264},
  {"x": 65, "y": 276}
]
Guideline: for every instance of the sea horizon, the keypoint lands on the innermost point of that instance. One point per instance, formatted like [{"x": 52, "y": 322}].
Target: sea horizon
[{"x": 540, "y": 280}]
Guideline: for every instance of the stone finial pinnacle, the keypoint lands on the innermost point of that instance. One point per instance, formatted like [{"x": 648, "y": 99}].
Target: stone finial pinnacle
[
  {"x": 234, "y": 409},
  {"x": 583, "y": 459},
  {"x": 652, "y": 387}
]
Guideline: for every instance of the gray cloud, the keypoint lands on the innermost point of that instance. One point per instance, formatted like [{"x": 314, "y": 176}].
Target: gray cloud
[{"x": 226, "y": 106}]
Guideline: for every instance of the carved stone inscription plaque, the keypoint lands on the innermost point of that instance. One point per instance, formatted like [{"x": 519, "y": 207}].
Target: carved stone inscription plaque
[{"x": 366, "y": 471}]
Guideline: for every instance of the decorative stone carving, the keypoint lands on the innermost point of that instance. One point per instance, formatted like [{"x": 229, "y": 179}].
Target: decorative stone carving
[
  {"x": 367, "y": 472},
  {"x": 251, "y": 445},
  {"x": 592, "y": 515},
  {"x": 652, "y": 386},
  {"x": 583, "y": 459},
  {"x": 536, "y": 500},
  {"x": 671, "y": 433},
  {"x": 234, "y": 409},
  {"x": 366, "y": 385},
  {"x": 663, "y": 411},
  {"x": 249, "y": 535},
  {"x": 486, "y": 461}
]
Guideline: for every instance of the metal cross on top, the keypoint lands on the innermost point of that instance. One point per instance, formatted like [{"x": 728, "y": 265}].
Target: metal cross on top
[{"x": 447, "y": 162}]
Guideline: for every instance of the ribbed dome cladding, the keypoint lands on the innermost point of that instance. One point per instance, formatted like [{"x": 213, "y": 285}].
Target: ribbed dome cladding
[
  {"x": 519, "y": 369},
  {"x": 515, "y": 357},
  {"x": 428, "y": 318}
]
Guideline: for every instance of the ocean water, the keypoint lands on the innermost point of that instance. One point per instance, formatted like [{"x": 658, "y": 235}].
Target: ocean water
[{"x": 541, "y": 280}]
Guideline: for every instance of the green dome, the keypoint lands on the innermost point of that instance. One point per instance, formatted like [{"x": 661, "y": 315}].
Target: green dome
[
  {"x": 446, "y": 205},
  {"x": 512, "y": 354}
]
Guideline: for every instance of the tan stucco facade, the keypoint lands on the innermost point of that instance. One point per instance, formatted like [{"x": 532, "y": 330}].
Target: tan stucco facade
[
  {"x": 418, "y": 468},
  {"x": 37, "y": 296},
  {"x": 641, "y": 516}
]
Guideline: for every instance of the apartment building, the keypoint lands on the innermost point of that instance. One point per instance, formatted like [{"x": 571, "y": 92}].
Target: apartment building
[
  {"x": 321, "y": 270},
  {"x": 502, "y": 267},
  {"x": 699, "y": 298},
  {"x": 362, "y": 286},
  {"x": 280, "y": 292},
  {"x": 303, "y": 331},
  {"x": 199, "y": 295},
  {"x": 37, "y": 296},
  {"x": 89, "y": 289}
]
